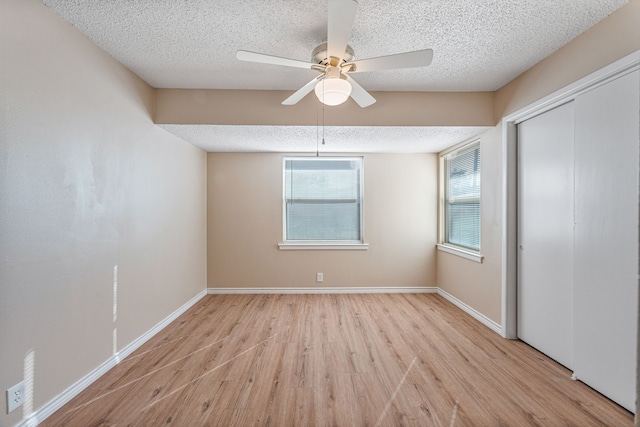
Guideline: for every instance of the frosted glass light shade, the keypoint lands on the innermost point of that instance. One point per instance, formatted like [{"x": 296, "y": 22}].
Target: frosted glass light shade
[{"x": 333, "y": 91}]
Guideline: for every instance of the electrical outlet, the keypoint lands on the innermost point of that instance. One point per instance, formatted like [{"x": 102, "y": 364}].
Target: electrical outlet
[
  {"x": 15, "y": 396},
  {"x": 319, "y": 277}
]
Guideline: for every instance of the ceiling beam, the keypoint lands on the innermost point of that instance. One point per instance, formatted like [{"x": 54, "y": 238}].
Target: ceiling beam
[{"x": 261, "y": 107}]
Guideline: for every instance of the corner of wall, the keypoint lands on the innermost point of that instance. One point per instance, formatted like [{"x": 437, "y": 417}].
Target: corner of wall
[
  {"x": 611, "y": 39},
  {"x": 153, "y": 109}
]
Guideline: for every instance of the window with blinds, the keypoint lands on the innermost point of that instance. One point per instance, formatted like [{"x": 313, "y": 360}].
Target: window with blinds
[
  {"x": 462, "y": 197},
  {"x": 323, "y": 199}
]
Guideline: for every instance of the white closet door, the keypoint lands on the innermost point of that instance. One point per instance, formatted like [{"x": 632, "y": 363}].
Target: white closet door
[
  {"x": 545, "y": 233},
  {"x": 606, "y": 238}
]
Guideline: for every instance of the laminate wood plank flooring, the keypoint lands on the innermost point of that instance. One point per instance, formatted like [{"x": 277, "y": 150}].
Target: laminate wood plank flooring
[{"x": 335, "y": 360}]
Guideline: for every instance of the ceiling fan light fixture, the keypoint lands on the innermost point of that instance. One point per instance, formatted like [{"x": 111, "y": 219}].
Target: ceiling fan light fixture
[
  {"x": 335, "y": 60},
  {"x": 333, "y": 91}
]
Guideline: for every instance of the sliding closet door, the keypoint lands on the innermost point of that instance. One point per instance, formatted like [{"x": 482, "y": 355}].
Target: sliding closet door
[
  {"x": 606, "y": 238},
  {"x": 545, "y": 233}
]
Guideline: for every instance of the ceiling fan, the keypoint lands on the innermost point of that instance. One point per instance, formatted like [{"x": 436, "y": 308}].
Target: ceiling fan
[{"x": 334, "y": 60}]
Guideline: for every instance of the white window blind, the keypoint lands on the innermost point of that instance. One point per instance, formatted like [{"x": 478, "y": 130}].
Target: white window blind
[
  {"x": 323, "y": 199},
  {"x": 462, "y": 197}
]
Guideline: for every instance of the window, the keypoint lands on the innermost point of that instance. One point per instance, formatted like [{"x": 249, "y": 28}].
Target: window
[
  {"x": 322, "y": 201},
  {"x": 462, "y": 197}
]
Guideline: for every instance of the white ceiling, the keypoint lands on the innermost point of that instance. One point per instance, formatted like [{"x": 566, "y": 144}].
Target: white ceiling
[
  {"x": 338, "y": 139},
  {"x": 479, "y": 45}
]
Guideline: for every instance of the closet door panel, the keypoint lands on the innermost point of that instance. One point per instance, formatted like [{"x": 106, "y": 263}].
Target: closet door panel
[
  {"x": 606, "y": 237},
  {"x": 545, "y": 233}
]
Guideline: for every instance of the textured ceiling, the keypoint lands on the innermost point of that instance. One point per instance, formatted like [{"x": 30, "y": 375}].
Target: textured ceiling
[
  {"x": 308, "y": 139},
  {"x": 479, "y": 45}
]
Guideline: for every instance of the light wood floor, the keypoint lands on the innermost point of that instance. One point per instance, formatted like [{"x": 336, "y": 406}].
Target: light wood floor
[{"x": 339, "y": 360}]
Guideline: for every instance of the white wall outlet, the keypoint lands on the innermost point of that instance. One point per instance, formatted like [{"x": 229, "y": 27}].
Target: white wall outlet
[
  {"x": 319, "y": 277},
  {"x": 15, "y": 396}
]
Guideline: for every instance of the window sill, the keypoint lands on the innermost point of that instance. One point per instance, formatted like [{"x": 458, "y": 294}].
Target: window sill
[
  {"x": 473, "y": 256},
  {"x": 288, "y": 246}
]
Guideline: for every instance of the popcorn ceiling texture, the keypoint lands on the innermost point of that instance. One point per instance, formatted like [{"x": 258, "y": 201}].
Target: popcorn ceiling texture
[
  {"x": 338, "y": 139},
  {"x": 479, "y": 45}
]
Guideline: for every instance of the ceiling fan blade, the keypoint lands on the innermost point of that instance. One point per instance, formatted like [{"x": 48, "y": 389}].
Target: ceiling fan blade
[
  {"x": 418, "y": 58},
  {"x": 342, "y": 13},
  {"x": 361, "y": 96},
  {"x": 245, "y": 55},
  {"x": 302, "y": 92}
]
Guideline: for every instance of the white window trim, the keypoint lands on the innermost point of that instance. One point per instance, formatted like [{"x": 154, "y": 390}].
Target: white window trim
[
  {"x": 443, "y": 246},
  {"x": 461, "y": 252},
  {"x": 327, "y": 245},
  {"x": 323, "y": 244}
]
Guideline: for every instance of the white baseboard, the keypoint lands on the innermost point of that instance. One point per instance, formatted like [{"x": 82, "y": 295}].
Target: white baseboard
[
  {"x": 137, "y": 343},
  {"x": 471, "y": 311},
  {"x": 60, "y": 400},
  {"x": 324, "y": 290},
  {"x": 362, "y": 290}
]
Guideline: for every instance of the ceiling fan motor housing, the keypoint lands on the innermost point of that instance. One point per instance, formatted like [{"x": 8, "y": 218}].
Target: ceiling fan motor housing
[{"x": 320, "y": 55}]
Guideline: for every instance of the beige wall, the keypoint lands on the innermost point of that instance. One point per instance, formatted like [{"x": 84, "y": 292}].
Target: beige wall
[
  {"x": 479, "y": 284},
  {"x": 87, "y": 182},
  {"x": 245, "y": 226},
  {"x": 262, "y": 107}
]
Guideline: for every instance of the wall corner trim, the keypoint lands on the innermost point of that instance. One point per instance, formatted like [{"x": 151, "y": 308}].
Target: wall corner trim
[
  {"x": 72, "y": 391},
  {"x": 497, "y": 328}
]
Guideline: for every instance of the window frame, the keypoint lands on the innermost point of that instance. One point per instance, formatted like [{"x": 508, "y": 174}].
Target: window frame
[
  {"x": 322, "y": 244},
  {"x": 443, "y": 245}
]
